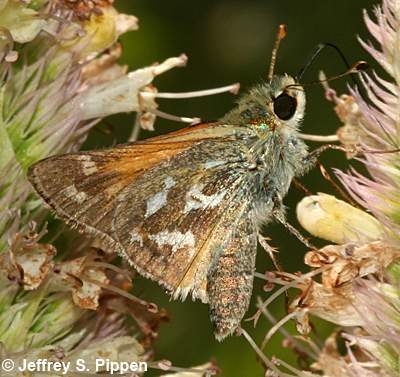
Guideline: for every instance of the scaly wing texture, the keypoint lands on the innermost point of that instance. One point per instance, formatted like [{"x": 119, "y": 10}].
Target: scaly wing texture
[
  {"x": 169, "y": 235},
  {"x": 230, "y": 277},
  {"x": 155, "y": 202}
]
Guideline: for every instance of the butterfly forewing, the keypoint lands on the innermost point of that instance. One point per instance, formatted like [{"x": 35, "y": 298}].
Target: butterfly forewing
[{"x": 156, "y": 202}]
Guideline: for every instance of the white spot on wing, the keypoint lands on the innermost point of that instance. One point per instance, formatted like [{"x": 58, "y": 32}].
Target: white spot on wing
[
  {"x": 213, "y": 163},
  {"x": 87, "y": 164},
  {"x": 195, "y": 199},
  {"x": 159, "y": 200},
  {"x": 155, "y": 203},
  {"x": 175, "y": 239},
  {"x": 136, "y": 237},
  {"x": 169, "y": 183},
  {"x": 72, "y": 193},
  {"x": 81, "y": 197}
]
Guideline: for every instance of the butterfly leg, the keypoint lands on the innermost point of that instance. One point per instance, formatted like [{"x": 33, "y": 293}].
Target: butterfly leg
[
  {"x": 337, "y": 188},
  {"x": 300, "y": 185},
  {"x": 311, "y": 159},
  {"x": 271, "y": 251},
  {"x": 230, "y": 278},
  {"x": 278, "y": 214}
]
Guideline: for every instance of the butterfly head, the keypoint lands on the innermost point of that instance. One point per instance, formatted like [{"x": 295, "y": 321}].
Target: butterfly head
[{"x": 270, "y": 106}]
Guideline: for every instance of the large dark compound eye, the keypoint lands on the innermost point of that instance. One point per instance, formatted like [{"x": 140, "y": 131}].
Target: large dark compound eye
[{"x": 285, "y": 106}]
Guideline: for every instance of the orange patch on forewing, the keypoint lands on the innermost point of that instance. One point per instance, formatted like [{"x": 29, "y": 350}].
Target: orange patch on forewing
[
  {"x": 134, "y": 159},
  {"x": 133, "y": 162}
]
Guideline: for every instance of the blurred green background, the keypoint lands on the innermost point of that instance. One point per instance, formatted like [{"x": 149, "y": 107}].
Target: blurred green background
[{"x": 230, "y": 41}]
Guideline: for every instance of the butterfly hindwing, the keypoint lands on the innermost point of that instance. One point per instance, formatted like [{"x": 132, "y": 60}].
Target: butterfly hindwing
[{"x": 230, "y": 277}]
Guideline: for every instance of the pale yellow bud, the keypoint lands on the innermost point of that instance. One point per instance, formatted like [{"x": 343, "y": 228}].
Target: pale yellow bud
[{"x": 334, "y": 220}]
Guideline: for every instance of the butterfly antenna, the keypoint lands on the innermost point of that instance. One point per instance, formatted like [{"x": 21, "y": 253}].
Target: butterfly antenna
[
  {"x": 356, "y": 68},
  {"x": 317, "y": 52},
  {"x": 280, "y": 36}
]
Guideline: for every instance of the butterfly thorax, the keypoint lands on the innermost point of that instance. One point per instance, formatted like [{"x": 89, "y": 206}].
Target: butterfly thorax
[
  {"x": 277, "y": 159},
  {"x": 272, "y": 112}
]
